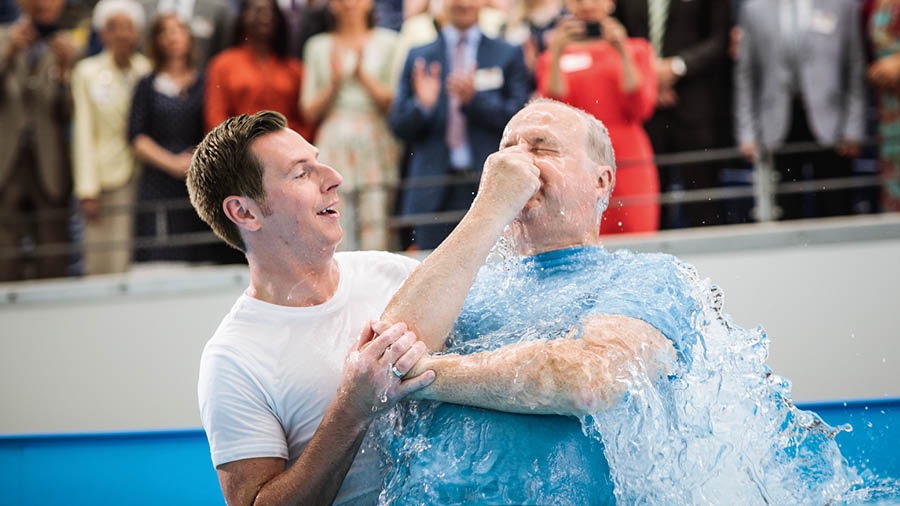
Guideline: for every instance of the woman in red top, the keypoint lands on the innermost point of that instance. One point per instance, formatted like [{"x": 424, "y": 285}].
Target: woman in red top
[
  {"x": 591, "y": 64},
  {"x": 256, "y": 73}
]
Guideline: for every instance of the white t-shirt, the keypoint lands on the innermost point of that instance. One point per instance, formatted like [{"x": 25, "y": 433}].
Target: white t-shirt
[{"x": 269, "y": 372}]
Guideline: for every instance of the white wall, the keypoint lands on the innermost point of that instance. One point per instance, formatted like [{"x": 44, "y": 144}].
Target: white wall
[
  {"x": 88, "y": 355},
  {"x": 832, "y": 313},
  {"x": 121, "y": 352}
]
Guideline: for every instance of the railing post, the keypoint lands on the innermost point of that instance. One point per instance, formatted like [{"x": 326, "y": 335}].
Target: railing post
[
  {"x": 765, "y": 181},
  {"x": 162, "y": 224}
]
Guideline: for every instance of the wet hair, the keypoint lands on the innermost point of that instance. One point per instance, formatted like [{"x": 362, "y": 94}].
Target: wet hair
[
  {"x": 597, "y": 144},
  {"x": 279, "y": 42},
  {"x": 106, "y": 9},
  {"x": 154, "y": 47},
  {"x": 224, "y": 165}
]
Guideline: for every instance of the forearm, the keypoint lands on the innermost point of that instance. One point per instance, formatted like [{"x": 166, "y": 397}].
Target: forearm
[
  {"x": 318, "y": 473},
  {"x": 315, "y": 108},
  {"x": 431, "y": 298},
  {"x": 631, "y": 78},
  {"x": 380, "y": 94},
  {"x": 538, "y": 377},
  {"x": 556, "y": 84},
  {"x": 407, "y": 121},
  {"x": 710, "y": 52},
  {"x": 149, "y": 151},
  {"x": 563, "y": 376}
]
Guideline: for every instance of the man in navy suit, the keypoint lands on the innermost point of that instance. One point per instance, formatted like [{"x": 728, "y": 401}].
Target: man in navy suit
[{"x": 454, "y": 98}]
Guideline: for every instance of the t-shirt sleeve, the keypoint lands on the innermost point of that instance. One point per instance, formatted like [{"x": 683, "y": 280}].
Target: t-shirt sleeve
[
  {"x": 674, "y": 303},
  {"x": 407, "y": 264},
  {"x": 395, "y": 266},
  {"x": 665, "y": 296},
  {"x": 235, "y": 411}
]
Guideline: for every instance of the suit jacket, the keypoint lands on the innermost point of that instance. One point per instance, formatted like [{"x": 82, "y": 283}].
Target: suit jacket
[
  {"x": 101, "y": 95},
  {"x": 698, "y": 32},
  {"x": 38, "y": 101},
  {"x": 831, "y": 74},
  {"x": 486, "y": 115}
]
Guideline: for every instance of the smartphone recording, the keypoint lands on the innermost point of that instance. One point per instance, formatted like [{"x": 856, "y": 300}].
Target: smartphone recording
[{"x": 593, "y": 30}]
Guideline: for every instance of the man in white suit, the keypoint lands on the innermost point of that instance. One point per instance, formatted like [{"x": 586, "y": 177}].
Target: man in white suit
[{"x": 799, "y": 77}]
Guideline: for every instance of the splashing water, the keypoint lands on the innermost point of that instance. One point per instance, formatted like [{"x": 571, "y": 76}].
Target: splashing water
[{"x": 721, "y": 429}]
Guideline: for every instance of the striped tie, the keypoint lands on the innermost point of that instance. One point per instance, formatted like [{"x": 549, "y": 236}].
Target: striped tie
[
  {"x": 456, "y": 123},
  {"x": 658, "y": 11}
]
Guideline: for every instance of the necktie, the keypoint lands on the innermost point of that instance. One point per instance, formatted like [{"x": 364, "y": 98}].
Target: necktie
[
  {"x": 658, "y": 12},
  {"x": 456, "y": 123}
]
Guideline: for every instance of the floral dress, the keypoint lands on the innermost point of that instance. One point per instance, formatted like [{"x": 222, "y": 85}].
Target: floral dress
[{"x": 354, "y": 138}]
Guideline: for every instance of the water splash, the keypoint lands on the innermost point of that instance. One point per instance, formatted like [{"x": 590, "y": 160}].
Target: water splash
[{"x": 722, "y": 429}]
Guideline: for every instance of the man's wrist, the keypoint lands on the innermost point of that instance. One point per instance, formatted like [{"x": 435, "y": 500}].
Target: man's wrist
[
  {"x": 355, "y": 416},
  {"x": 484, "y": 212},
  {"x": 426, "y": 110},
  {"x": 419, "y": 367}
]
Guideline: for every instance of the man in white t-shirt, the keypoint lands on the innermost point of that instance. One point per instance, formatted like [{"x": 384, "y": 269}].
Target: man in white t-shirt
[
  {"x": 284, "y": 412},
  {"x": 287, "y": 390}
]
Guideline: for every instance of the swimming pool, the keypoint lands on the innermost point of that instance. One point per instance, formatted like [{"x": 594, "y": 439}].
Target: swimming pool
[{"x": 173, "y": 467}]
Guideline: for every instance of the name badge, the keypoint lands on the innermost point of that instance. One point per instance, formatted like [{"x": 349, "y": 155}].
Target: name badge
[
  {"x": 822, "y": 22},
  {"x": 574, "y": 62},
  {"x": 488, "y": 79},
  {"x": 101, "y": 90}
]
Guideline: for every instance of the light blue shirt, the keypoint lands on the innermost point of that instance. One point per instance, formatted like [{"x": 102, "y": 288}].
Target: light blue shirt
[{"x": 453, "y": 454}]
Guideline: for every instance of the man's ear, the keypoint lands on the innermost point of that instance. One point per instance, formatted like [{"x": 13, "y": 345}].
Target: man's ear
[
  {"x": 243, "y": 211},
  {"x": 605, "y": 178}
]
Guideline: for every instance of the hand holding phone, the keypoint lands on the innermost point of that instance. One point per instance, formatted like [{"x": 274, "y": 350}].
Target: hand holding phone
[{"x": 593, "y": 30}]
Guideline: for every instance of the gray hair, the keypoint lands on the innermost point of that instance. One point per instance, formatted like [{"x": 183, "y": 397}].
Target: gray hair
[
  {"x": 105, "y": 9},
  {"x": 599, "y": 146}
]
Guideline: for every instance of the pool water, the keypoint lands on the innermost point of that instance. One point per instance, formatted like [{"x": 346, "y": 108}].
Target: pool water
[{"x": 722, "y": 429}]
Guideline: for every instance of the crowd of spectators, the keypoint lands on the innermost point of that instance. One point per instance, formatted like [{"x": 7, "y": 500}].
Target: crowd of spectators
[{"x": 102, "y": 103}]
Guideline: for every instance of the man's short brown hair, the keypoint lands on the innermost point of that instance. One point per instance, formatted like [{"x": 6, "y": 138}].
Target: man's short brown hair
[{"x": 223, "y": 165}]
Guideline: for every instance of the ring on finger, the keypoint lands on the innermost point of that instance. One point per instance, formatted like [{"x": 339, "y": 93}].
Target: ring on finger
[{"x": 396, "y": 371}]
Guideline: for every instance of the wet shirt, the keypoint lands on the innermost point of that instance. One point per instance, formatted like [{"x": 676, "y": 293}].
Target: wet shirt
[{"x": 450, "y": 454}]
